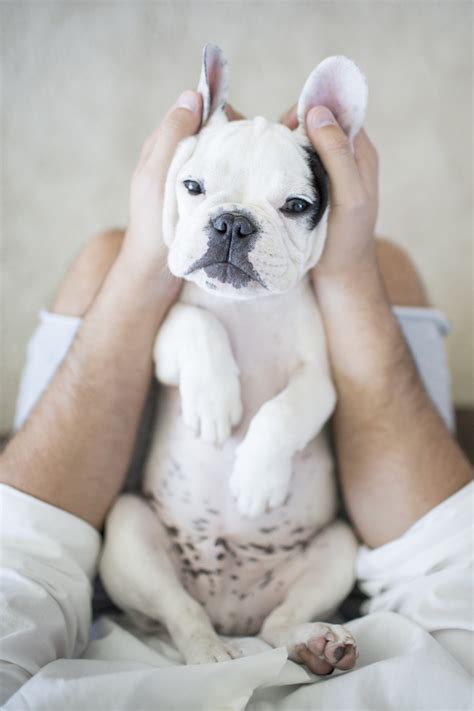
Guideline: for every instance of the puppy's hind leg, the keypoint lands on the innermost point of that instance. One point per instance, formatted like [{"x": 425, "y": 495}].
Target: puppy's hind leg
[
  {"x": 326, "y": 578},
  {"x": 138, "y": 574}
]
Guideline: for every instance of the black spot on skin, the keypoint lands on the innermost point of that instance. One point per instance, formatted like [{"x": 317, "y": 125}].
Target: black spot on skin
[
  {"x": 242, "y": 596},
  {"x": 267, "y": 579},
  {"x": 200, "y": 521},
  {"x": 265, "y": 549},
  {"x": 242, "y": 546},
  {"x": 234, "y": 577},
  {"x": 200, "y": 571},
  {"x": 190, "y": 546},
  {"x": 214, "y": 512},
  {"x": 296, "y": 544},
  {"x": 222, "y": 542},
  {"x": 238, "y": 563},
  {"x": 287, "y": 500},
  {"x": 178, "y": 548},
  {"x": 268, "y": 530},
  {"x": 220, "y": 556},
  {"x": 300, "y": 529},
  {"x": 320, "y": 187},
  {"x": 339, "y": 652},
  {"x": 226, "y": 258},
  {"x": 172, "y": 530}
]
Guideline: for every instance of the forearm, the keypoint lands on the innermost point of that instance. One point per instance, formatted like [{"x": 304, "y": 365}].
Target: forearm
[
  {"x": 396, "y": 458},
  {"x": 74, "y": 450}
]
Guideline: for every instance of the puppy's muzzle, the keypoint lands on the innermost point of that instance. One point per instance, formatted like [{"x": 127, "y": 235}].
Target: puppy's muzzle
[{"x": 231, "y": 238}]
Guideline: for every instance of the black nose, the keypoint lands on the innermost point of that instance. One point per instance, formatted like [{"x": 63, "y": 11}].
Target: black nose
[{"x": 233, "y": 224}]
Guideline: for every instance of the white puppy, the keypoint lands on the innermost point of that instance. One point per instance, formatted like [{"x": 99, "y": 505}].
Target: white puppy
[{"x": 236, "y": 532}]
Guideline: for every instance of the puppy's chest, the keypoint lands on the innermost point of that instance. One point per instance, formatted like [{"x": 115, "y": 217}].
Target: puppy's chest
[{"x": 265, "y": 336}]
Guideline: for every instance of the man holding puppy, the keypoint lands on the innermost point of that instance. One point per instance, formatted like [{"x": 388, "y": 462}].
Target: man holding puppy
[{"x": 404, "y": 479}]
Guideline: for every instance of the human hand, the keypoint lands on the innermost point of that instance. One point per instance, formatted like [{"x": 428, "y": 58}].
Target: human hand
[
  {"x": 353, "y": 185},
  {"x": 143, "y": 248},
  {"x": 353, "y": 178}
]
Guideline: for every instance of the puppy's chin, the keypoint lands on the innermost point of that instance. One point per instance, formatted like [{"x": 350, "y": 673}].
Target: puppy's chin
[{"x": 226, "y": 290}]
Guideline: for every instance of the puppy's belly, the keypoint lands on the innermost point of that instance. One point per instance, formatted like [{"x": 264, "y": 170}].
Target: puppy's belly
[{"x": 238, "y": 568}]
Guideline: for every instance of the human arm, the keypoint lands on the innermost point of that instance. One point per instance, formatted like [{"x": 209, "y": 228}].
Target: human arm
[
  {"x": 396, "y": 458},
  {"x": 74, "y": 449}
]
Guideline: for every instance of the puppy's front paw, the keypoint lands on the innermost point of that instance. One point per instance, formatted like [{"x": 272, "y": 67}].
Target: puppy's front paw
[
  {"x": 260, "y": 478},
  {"x": 211, "y": 405}
]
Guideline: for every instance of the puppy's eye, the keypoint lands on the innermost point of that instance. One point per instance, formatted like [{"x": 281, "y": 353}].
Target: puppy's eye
[
  {"x": 193, "y": 187},
  {"x": 295, "y": 206}
]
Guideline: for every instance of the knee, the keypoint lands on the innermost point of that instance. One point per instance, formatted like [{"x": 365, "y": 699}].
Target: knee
[
  {"x": 87, "y": 273},
  {"x": 402, "y": 282}
]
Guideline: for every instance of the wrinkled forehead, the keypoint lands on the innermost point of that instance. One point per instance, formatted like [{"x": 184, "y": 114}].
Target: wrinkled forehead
[{"x": 257, "y": 156}]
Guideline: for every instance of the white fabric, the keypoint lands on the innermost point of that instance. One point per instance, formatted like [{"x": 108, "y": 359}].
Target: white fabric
[
  {"x": 424, "y": 330},
  {"x": 48, "y": 557},
  {"x": 46, "y": 349}
]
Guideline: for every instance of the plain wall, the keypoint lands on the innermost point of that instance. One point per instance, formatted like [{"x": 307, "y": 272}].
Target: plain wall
[{"x": 84, "y": 83}]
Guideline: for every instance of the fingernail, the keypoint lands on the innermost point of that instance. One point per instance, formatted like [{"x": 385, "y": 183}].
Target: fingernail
[
  {"x": 187, "y": 100},
  {"x": 320, "y": 116}
]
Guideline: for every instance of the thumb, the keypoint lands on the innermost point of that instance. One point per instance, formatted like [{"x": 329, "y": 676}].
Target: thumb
[
  {"x": 181, "y": 121},
  {"x": 334, "y": 149}
]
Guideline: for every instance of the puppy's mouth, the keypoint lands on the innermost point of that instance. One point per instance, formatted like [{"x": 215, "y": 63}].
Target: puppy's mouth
[{"x": 227, "y": 273}]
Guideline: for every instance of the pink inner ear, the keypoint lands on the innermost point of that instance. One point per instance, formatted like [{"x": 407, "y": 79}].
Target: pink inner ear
[
  {"x": 214, "y": 78},
  {"x": 326, "y": 95},
  {"x": 213, "y": 81},
  {"x": 340, "y": 85}
]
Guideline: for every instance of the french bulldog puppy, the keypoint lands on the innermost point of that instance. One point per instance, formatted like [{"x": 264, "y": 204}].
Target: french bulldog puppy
[{"x": 235, "y": 533}]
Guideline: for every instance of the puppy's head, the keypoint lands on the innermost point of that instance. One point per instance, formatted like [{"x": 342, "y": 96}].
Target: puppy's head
[{"x": 246, "y": 202}]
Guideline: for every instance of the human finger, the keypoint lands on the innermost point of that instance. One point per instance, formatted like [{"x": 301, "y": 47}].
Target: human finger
[
  {"x": 232, "y": 114},
  {"x": 367, "y": 160},
  {"x": 334, "y": 149},
  {"x": 289, "y": 118},
  {"x": 182, "y": 120}
]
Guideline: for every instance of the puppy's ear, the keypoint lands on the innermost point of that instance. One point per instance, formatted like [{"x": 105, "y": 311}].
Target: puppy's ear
[
  {"x": 213, "y": 85},
  {"x": 338, "y": 84}
]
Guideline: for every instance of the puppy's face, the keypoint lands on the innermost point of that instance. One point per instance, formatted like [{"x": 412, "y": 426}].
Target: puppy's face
[
  {"x": 246, "y": 202},
  {"x": 251, "y": 203}
]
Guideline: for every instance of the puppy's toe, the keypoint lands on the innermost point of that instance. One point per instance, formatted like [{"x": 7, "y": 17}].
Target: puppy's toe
[{"x": 313, "y": 661}]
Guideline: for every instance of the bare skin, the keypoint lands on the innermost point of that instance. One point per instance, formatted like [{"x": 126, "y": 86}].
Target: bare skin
[{"x": 396, "y": 458}]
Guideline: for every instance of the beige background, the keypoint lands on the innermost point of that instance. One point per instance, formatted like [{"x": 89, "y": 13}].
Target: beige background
[{"x": 85, "y": 82}]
